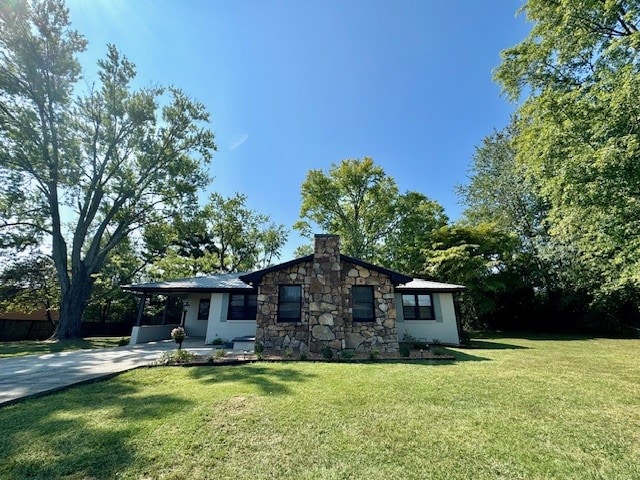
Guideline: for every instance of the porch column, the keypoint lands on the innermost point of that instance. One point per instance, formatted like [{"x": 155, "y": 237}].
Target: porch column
[
  {"x": 143, "y": 301},
  {"x": 165, "y": 314}
]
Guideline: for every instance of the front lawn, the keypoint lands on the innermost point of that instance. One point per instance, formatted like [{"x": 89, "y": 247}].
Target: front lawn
[
  {"x": 509, "y": 409},
  {"x": 37, "y": 347}
]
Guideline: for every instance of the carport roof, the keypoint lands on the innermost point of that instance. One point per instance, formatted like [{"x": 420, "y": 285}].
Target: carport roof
[
  {"x": 209, "y": 283},
  {"x": 428, "y": 285}
]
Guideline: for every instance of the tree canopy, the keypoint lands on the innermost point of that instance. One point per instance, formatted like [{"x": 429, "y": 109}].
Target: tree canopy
[
  {"x": 224, "y": 236},
  {"x": 82, "y": 172},
  {"x": 357, "y": 200},
  {"x": 578, "y": 137}
]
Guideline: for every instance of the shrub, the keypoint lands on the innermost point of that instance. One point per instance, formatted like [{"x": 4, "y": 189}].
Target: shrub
[
  {"x": 123, "y": 342},
  {"x": 347, "y": 354},
  {"x": 405, "y": 349},
  {"x": 303, "y": 356},
  {"x": 219, "y": 353},
  {"x": 327, "y": 352},
  {"x": 374, "y": 354},
  {"x": 288, "y": 353},
  {"x": 217, "y": 341},
  {"x": 176, "y": 357},
  {"x": 258, "y": 348}
]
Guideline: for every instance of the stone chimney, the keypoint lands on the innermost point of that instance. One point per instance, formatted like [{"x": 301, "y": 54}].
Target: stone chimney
[{"x": 326, "y": 310}]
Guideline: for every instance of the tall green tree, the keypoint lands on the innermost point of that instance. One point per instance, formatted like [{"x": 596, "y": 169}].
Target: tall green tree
[
  {"x": 481, "y": 258},
  {"x": 578, "y": 137},
  {"x": 224, "y": 236},
  {"x": 83, "y": 173},
  {"x": 29, "y": 284},
  {"x": 500, "y": 193},
  {"x": 357, "y": 200}
]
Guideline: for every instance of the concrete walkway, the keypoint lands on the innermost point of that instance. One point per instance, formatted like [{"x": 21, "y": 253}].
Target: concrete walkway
[{"x": 22, "y": 377}]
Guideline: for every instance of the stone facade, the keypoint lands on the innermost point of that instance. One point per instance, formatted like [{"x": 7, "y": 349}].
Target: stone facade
[{"x": 326, "y": 308}]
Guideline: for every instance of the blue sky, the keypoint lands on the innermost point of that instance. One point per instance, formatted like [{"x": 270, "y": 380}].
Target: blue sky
[{"x": 296, "y": 85}]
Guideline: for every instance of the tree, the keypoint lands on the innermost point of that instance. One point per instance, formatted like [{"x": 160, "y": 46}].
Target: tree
[
  {"x": 500, "y": 193},
  {"x": 84, "y": 173},
  {"x": 225, "y": 236},
  {"x": 29, "y": 284},
  {"x": 479, "y": 257},
  {"x": 578, "y": 137},
  {"x": 359, "y": 202},
  {"x": 413, "y": 234}
]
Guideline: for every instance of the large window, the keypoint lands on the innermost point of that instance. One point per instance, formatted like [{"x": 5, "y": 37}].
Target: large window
[
  {"x": 289, "y": 303},
  {"x": 203, "y": 309},
  {"x": 418, "y": 306},
  {"x": 242, "y": 307},
  {"x": 363, "y": 308}
]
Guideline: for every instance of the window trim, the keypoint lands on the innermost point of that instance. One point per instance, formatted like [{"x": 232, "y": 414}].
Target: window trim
[
  {"x": 199, "y": 315},
  {"x": 373, "y": 304},
  {"x": 280, "y": 291},
  {"x": 416, "y": 307},
  {"x": 245, "y": 307}
]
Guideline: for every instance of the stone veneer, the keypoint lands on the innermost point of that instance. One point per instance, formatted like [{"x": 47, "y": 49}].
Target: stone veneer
[{"x": 326, "y": 313}]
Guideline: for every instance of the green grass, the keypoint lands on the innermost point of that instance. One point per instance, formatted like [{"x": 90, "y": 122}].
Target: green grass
[
  {"x": 35, "y": 347},
  {"x": 510, "y": 409}
]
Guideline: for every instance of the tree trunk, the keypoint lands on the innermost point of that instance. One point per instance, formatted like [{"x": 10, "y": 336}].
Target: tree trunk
[{"x": 73, "y": 304}]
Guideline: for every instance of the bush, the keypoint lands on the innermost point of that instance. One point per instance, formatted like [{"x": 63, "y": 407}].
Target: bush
[
  {"x": 219, "y": 353},
  {"x": 217, "y": 341},
  {"x": 347, "y": 354},
  {"x": 405, "y": 350},
  {"x": 374, "y": 354},
  {"x": 123, "y": 342},
  {"x": 176, "y": 357},
  {"x": 327, "y": 352},
  {"x": 258, "y": 348}
]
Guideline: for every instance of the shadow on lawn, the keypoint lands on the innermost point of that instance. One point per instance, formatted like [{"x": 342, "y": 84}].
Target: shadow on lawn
[
  {"x": 492, "y": 345},
  {"x": 74, "y": 434},
  {"x": 268, "y": 379}
]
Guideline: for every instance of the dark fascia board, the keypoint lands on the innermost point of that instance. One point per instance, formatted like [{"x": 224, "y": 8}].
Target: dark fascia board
[
  {"x": 169, "y": 290},
  {"x": 254, "y": 278},
  {"x": 397, "y": 278}
]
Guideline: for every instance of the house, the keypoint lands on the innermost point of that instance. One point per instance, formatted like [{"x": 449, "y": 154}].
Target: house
[{"x": 323, "y": 300}]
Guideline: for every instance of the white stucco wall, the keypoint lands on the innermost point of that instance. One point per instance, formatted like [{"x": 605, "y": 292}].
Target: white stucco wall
[
  {"x": 443, "y": 329},
  {"x": 150, "y": 333},
  {"x": 218, "y": 325},
  {"x": 193, "y": 326}
]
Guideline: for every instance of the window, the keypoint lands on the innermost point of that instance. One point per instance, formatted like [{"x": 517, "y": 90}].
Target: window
[
  {"x": 242, "y": 307},
  {"x": 363, "y": 309},
  {"x": 289, "y": 303},
  {"x": 203, "y": 309},
  {"x": 417, "y": 306}
]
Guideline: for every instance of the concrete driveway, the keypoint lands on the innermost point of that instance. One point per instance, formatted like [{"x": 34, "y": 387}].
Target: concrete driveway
[{"x": 22, "y": 377}]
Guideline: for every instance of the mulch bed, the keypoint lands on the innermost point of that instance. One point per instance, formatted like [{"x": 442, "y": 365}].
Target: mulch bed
[{"x": 240, "y": 359}]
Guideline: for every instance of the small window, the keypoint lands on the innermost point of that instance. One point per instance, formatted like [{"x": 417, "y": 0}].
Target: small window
[
  {"x": 417, "y": 306},
  {"x": 289, "y": 303},
  {"x": 363, "y": 308},
  {"x": 242, "y": 307},
  {"x": 203, "y": 309}
]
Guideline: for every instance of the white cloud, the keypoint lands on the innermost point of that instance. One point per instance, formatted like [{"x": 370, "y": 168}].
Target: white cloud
[{"x": 238, "y": 140}]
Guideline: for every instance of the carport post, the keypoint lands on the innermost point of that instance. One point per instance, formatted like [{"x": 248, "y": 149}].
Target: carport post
[{"x": 143, "y": 301}]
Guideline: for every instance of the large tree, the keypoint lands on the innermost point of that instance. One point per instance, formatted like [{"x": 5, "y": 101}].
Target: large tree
[
  {"x": 357, "y": 200},
  {"x": 29, "y": 284},
  {"x": 224, "y": 236},
  {"x": 578, "y": 137},
  {"x": 82, "y": 173}
]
